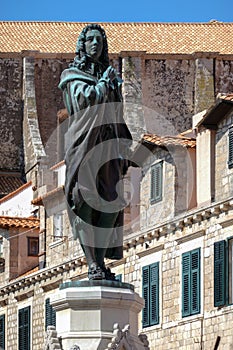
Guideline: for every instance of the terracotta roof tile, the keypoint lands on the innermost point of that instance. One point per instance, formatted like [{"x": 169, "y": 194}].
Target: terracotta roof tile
[
  {"x": 18, "y": 222},
  {"x": 55, "y": 192},
  {"x": 35, "y": 269},
  {"x": 61, "y": 37},
  {"x": 9, "y": 183},
  {"x": 227, "y": 97},
  {"x": 58, "y": 165},
  {"x": 164, "y": 141}
]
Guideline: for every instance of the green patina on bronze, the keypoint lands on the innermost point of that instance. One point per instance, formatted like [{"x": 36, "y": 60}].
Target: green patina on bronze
[{"x": 92, "y": 96}]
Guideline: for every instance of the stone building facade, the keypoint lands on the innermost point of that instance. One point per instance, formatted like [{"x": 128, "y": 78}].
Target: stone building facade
[{"x": 177, "y": 243}]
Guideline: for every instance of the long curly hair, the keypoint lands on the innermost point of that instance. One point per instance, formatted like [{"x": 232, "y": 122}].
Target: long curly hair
[{"x": 81, "y": 59}]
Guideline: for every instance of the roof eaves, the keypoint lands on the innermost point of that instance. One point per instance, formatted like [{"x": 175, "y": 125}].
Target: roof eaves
[
  {"x": 20, "y": 222},
  {"x": 166, "y": 141},
  {"x": 47, "y": 196},
  {"x": 222, "y": 107}
]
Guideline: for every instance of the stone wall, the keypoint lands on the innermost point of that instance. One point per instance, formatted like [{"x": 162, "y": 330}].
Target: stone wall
[
  {"x": 132, "y": 68},
  {"x": 168, "y": 88},
  {"x": 49, "y": 98},
  {"x": 204, "y": 84},
  {"x": 166, "y": 245},
  {"x": 11, "y": 312},
  {"x": 151, "y": 214},
  {"x": 168, "y": 92},
  {"x": 32, "y": 291},
  {"x": 11, "y": 115},
  {"x": 5, "y": 249},
  {"x": 15, "y": 253},
  {"x": 33, "y": 147},
  {"x": 205, "y": 166},
  {"x": 223, "y": 76},
  {"x": 63, "y": 248},
  {"x": 223, "y": 175},
  {"x": 179, "y": 185},
  {"x": 160, "y": 94}
]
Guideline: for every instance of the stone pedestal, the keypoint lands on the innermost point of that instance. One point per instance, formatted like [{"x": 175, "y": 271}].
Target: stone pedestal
[{"x": 98, "y": 315}]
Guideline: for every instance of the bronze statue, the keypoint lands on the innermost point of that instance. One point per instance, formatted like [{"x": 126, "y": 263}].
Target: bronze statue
[{"x": 97, "y": 143}]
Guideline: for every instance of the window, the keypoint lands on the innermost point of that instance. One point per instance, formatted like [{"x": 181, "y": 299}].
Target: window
[
  {"x": 191, "y": 283},
  {"x": 223, "y": 272},
  {"x": 150, "y": 293},
  {"x": 50, "y": 314},
  {"x": 230, "y": 148},
  {"x": 33, "y": 246},
  {"x": 2, "y": 332},
  {"x": 156, "y": 182},
  {"x": 57, "y": 226},
  {"x": 24, "y": 332}
]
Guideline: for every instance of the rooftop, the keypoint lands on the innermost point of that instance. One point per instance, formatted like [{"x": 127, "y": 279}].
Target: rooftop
[
  {"x": 164, "y": 141},
  {"x": 18, "y": 222},
  {"x": 47, "y": 196},
  {"x": 222, "y": 107},
  {"x": 9, "y": 182},
  {"x": 153, "y": 38}
]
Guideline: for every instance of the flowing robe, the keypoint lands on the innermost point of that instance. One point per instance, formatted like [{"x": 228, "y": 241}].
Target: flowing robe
[{"x": 97, "y": 144}]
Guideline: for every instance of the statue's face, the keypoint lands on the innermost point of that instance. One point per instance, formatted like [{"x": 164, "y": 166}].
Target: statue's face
[{"x": 94, "y": 44}]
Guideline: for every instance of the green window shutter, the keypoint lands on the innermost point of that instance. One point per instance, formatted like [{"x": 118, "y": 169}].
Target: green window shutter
[
  {"x": 219, "y": 273},
  {"x": 145, "y": 295},
  {"x": 195, "y": 281},
  {"x": 50, "y": 314},
  {"x": 24, "y": 328},
  {"x": 154, "y": 294},
  {"x": 156, "y": 182},
  {"x": 230, "y": 148},
  {"x": 186, "y": 284},
  {"x": 2, "y": 332},
  {"x": 191, "y": 283},
  {"x": 150, "y": 293}
]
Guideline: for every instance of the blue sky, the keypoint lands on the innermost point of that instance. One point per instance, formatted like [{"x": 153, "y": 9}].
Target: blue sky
[{"x": 117, "y": 11}]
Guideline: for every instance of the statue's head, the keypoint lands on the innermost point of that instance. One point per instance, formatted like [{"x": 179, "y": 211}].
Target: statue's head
[{"x": 92, "y": 42}]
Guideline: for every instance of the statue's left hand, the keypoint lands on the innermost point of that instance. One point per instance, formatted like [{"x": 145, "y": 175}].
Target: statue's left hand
[{"x": 110, "y": 73}]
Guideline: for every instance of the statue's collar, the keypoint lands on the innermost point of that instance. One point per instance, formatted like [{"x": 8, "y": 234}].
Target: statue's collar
[{"x": 89, "y": 66}]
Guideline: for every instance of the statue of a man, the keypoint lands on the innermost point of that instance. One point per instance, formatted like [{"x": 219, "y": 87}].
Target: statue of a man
[{"x": 97, "y": 143}]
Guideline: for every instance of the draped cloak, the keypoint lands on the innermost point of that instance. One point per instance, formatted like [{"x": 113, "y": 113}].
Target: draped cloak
[{"x": 96, "y": 148}]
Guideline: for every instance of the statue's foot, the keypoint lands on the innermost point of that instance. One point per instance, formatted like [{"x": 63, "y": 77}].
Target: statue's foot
[
  {"x": 95, "y": 272},
  {"x": 108, "y": 274}
]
